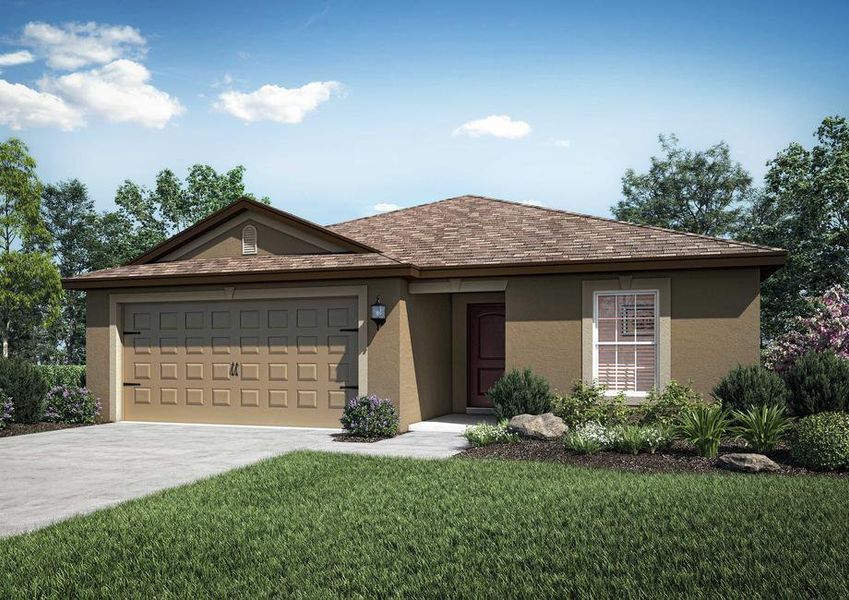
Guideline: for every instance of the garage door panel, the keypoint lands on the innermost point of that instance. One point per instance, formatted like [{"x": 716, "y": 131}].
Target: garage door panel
[{"x": 292, "y": 363}]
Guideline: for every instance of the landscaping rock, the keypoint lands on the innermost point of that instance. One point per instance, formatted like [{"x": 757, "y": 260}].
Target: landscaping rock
[
  {"x": 747, "y": 463},
  {"x": 541, "y": 427}
]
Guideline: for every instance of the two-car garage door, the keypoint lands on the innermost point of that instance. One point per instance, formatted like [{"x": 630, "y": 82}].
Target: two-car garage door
[{"x": 268, "y": 362}]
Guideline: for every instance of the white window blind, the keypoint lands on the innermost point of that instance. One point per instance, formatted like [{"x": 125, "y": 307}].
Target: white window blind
[
  {"x": 249, "y": 239},
  {"x": 625, "y": 341}
]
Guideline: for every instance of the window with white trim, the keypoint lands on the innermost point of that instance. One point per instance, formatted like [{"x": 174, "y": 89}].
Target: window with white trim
[
  {"x": 625, "y": 332},
  {"x": 249, "y": 239}
]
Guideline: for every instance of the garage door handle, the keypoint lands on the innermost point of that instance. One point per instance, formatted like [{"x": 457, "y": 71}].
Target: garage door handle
[
  {"x": 350, "y": 329},
  {"x": 132, "y": 384},
  {"x": 132, "y": 332},
  {"x": 349, "y": 387}
]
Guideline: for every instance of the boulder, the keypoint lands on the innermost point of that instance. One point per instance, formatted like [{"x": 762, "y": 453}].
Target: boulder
[
  {"x": 541, "y": 427},
  {"x": 747, "y": 463}
]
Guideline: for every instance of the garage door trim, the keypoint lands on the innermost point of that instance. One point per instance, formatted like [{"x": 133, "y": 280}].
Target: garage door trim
[{"x": 116, "y": 358}]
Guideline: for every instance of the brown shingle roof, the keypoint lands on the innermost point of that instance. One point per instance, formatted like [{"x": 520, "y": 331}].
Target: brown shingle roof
[
  {"x": 473, "y": 230},
  {"x": 467, "y": 231},
  {"x": 242, "y": 264}
]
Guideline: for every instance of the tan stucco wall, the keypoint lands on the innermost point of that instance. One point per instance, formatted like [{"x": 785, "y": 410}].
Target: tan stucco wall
[
  {"x": 269, "y": 241},
  {"x": 97, "y": 349},
  {"x": 459, "y": 340},
  {"x": 715, "y": 323},
  {"x": 425, "y": 357}
]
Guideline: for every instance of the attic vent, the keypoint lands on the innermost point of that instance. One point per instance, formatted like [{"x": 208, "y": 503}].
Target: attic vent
[{"x": 249, "y": 239}]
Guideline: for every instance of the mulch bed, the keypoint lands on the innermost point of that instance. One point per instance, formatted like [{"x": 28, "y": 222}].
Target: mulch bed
[
  {"x": 27, "y": 428},
  {"x": 677, "y": 459}
]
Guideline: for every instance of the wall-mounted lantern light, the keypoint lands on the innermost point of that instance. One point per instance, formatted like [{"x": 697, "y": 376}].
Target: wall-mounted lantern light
[{"x": 378, "y": 313}]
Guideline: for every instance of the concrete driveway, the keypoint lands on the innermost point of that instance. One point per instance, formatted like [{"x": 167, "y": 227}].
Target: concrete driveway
[{"x": 48, "y": 477}]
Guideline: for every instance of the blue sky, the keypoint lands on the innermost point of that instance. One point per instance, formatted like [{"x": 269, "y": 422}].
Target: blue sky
[{"x": 587, "y": 87}]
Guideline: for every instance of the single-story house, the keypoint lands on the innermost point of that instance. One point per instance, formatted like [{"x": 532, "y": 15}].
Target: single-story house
[{"x": 256, "y": 316}]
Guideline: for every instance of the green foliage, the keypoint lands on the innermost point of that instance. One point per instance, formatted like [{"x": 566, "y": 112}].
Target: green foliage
[
  {"x": 484, "y": 434},
  {"x": 821, "y": 441},
  {"x": 520, "y": 392},
  {"x": 762, "y": 427},
  {"x": 703, "y": 426},
  {"x": 146, "y": 217},
  {"x": 588, "y": 403},
  {"x": 582, "y": 444},
  {"x": 696, "y": 191},
  {"x": 30, "y": 298},
  {"x": 20, "y": 197},
  {"x": 665, "y": 407},
  {"x": 818, "y": 382},
  {"x": 752, "y": 385},
  {"x": 633, "y": 439},
  {"x": 803, "y": 209},
  {"x": 73, "y": 222},
  {"x": 71, "y": 404},
  {"x": 27, "y": 387},
  {"x": 370, "y": 417},
  {"x": 63, "y": 375}
]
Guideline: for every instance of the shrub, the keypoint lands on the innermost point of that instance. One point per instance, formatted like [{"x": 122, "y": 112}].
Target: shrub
[
  {"x": 7, "y": 409},
  {"x": 666, "y": 407},
  {"x": 826, "y": 329},
  {"x": 484, "y": 434},
  {"x": 751, "y": 386},
  {"x": 370, "y": 417},
  {"x": 590, "y": 438},
  {"x": 71, "y": 404},
  {"x": 821, "y": 441},
  {"x": 518, "y": 393},
  {"x": 703, "y": 427},
  {"x": 818, "y": 382},
  {"x": 633, "y": 439},
  {"x": 582, "y": 444},
  {"x": 26, "y": 386},
  {"x": 762, "y": 427},
  {"x": 588, "y": 403},
  {"x": 67, "y": 375}
]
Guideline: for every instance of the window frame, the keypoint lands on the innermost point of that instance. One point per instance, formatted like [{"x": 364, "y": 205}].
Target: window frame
[{"x": 656, "y": 343}]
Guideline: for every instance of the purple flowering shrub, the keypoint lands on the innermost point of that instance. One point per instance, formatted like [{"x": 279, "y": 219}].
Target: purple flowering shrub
[
  {"x": 7, "y": 409},
  {"x": 70, "y": 404},
  {"x": 370, "y": 417},
  {"x": 826, "y": 330}
]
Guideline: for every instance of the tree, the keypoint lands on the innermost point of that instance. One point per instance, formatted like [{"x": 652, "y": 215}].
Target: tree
[
  {"x": 72, "y": 221},
  {"x": 804, "y": 208},
  {"x": 695, "y": 191},
  {"x": 30, "y": 286},
  {"x": 146, "y": 217}
]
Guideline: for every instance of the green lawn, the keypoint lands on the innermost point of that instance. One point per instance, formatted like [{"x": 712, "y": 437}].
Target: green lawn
[{"x": 316, "y": 525}]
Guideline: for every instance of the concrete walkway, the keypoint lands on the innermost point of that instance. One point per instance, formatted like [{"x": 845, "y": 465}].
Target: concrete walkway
[{"x": 48, "y": 477}]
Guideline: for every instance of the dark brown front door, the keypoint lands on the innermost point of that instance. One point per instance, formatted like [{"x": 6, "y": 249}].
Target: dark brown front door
[{"x": 485, "y": 350}]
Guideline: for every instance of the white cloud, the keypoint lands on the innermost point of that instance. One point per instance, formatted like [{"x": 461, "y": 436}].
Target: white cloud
[
  {"x": 275, "y": 103},
  {"x": 385, "y": 207},
  {"x": 13, "y": 59},
  {"x": 119, "y": 92},
  {"x": 533, "y": 203},
  {"x": 562, "y": 143},
  {"x": 74, "y": 45},
  {"x": 21, "y": 106},
  {"x": 225, "y": 81},
  {"x": 501, "y": 126}
]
